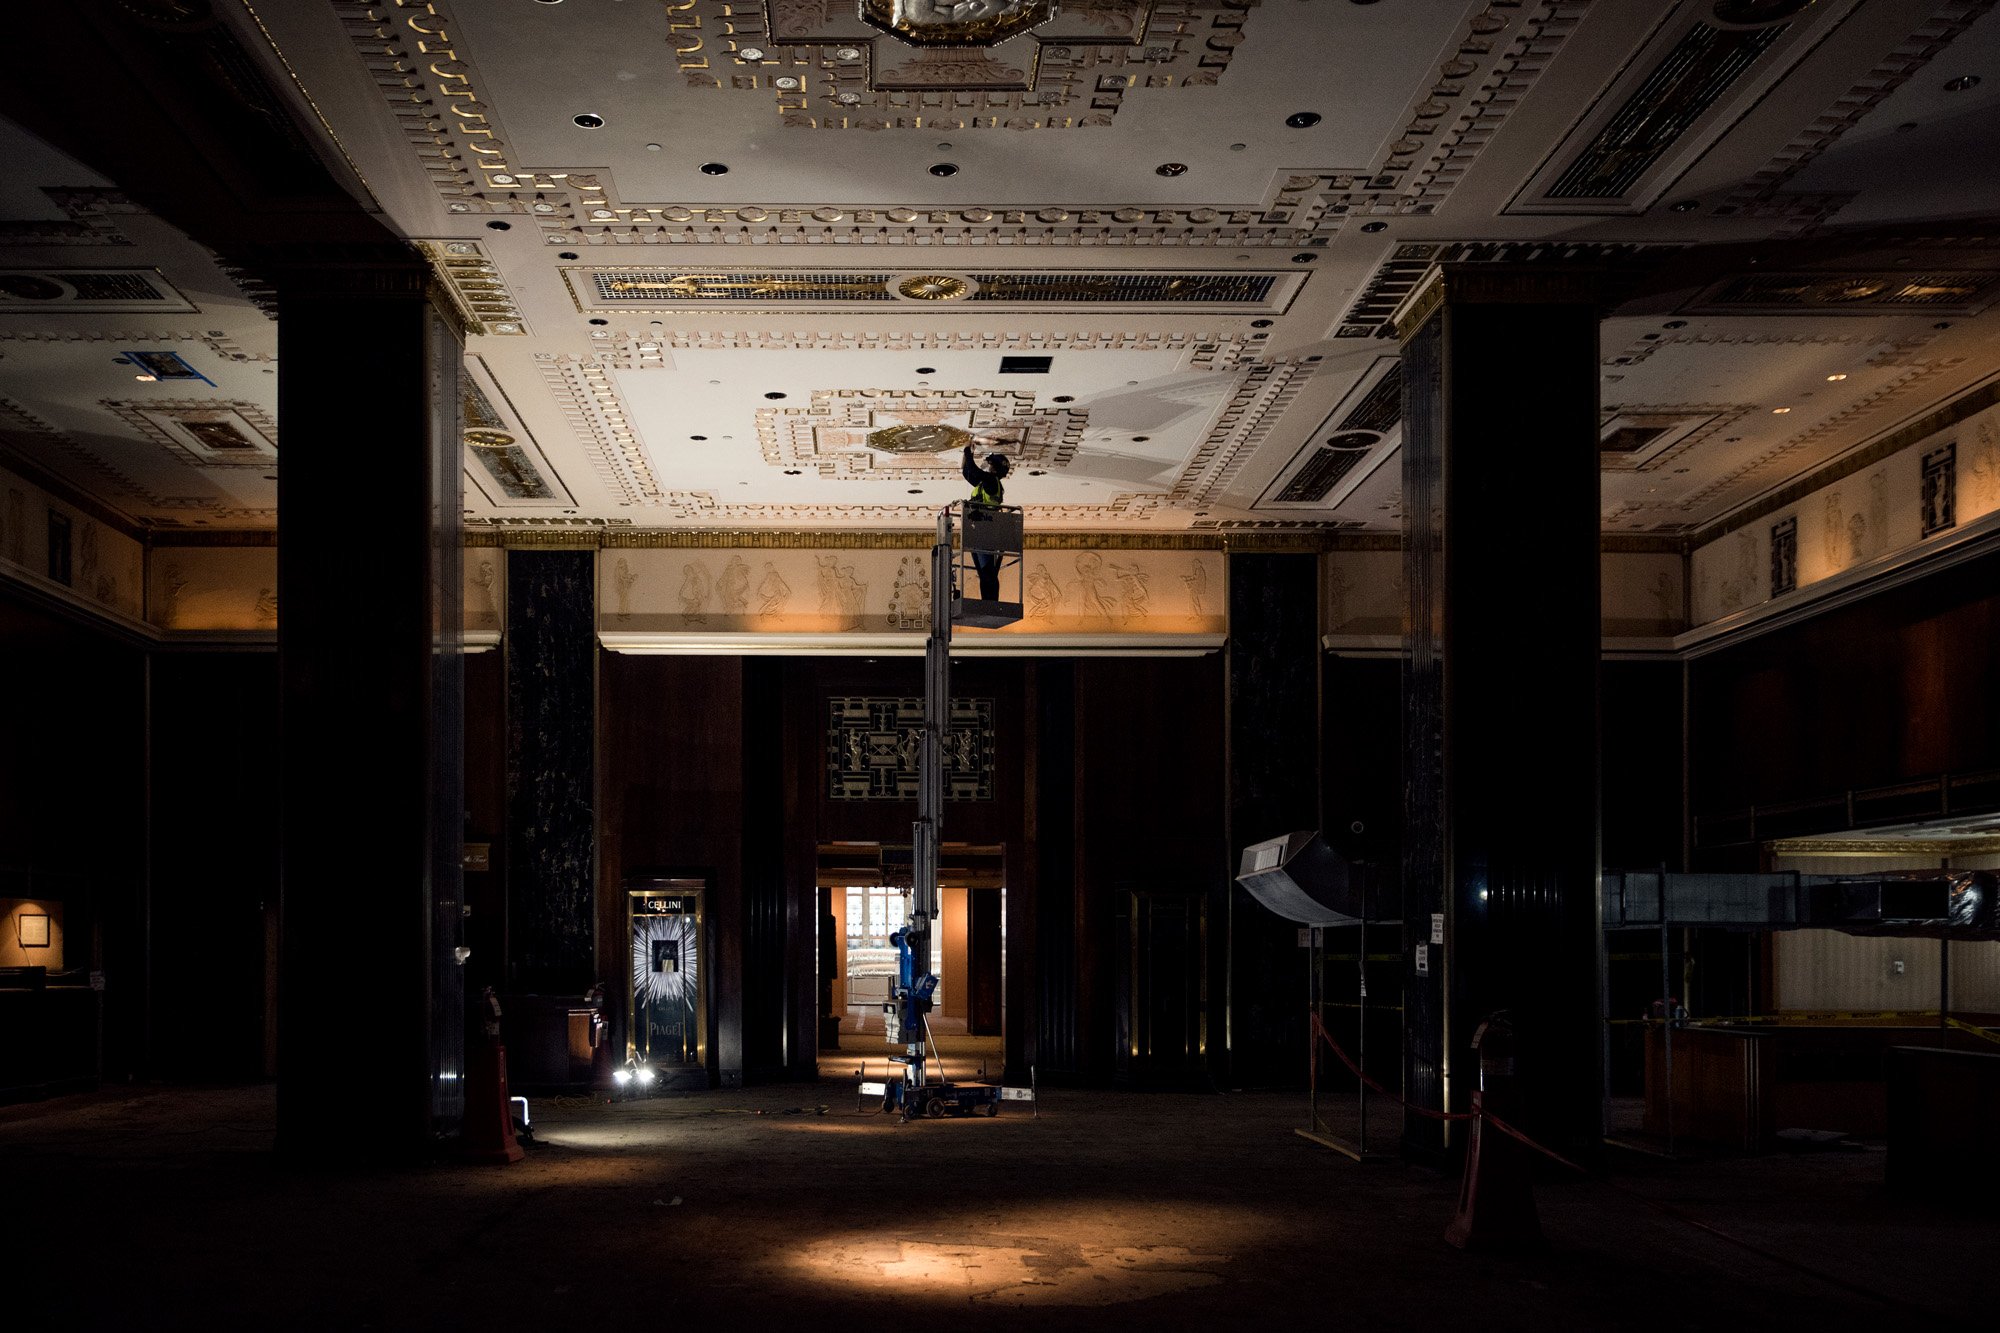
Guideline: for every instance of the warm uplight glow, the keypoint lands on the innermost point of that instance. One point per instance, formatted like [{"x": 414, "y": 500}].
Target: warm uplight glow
[
  {"x": 145, "y": 379},
  {"x": 1070, "y": 1254},
  {"x": 1779, "y": 411},
  {"x": 1834, "y": 379}
]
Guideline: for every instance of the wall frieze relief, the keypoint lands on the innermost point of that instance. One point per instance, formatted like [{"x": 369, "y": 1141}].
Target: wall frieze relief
[{"x": 704, "y": 506}]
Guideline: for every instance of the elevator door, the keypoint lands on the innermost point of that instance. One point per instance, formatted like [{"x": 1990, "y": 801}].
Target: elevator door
[{"x": 669, "y": 1011}]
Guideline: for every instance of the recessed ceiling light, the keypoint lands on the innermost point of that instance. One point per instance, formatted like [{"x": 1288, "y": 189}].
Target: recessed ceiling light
[
  {"x": 567, "y": 254},
  {"x": 1302, "y": 120},
  {"x": 847, "y": 52},
  {"x": 944, "y": 169},
  {"x": 1779, "y": 411},
  {"x": 600, "y": 322},
  {"x": 1834, "y": 379},
  {"x": 499, "y": 226},
  {"x": 1687, "y": 206},
  {"x": 927, "y": 370},
  {"x": 1962, "y": 83},
  {"x": 1260, "y": 323},
  {"x": 1171, "y": 169},
  {"x": 1238, "y": 147},
  {"x": 1063, "y": 398},
  {"x": 751, "y": 53},
  {"x": 1037, "y": 472},
  {"x": 652, "y": 148},
  {"x": 1373, "y": 227},
  {"x": 714, "y": 169},
  {"x": 697, "y": 437},
  {"x": 774, "y": 395},
  {"x": 588, "y": 120},
  {"x": 914, "y": 490},
  {"x": 146, "y": 379},
  {"x": 1304, "y": 258},
  {"x": 1675, "y": 324},
  {"x": 785, "y": 84},
  {"x": 791, "y": 472}
]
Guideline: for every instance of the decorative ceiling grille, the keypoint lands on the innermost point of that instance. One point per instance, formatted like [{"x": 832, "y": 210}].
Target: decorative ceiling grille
[
  {"x": 661, "y": 286},
  {"x": 872, "y": 745},
  {"x": 1686, "y": 83}
]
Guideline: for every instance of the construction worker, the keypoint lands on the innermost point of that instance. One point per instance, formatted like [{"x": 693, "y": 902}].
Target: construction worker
[{"x": 988, "y": 488}]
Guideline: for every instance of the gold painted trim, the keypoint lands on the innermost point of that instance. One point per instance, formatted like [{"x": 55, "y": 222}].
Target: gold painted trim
[
  {"x": 804, "y": 539},
  {"x": 1940, "y": 847}
]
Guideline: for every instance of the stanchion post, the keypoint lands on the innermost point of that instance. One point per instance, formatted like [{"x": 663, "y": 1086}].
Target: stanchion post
[{"x": 1667, "y": 1016}]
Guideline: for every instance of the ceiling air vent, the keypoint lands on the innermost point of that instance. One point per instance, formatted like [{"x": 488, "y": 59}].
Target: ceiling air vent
[
  {"x": 1327, "y": 467},
  {"x": 1026, "y": 365},
  {"x": 110, "y": 289}
]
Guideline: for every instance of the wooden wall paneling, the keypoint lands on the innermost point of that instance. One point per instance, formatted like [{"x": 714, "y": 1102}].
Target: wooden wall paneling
[
  {"x": 1895, "y": 688},
  {"x": 73, "y": 802},
  {"x": 674, "y": 806},
  {"x": 215, "y": 860}
]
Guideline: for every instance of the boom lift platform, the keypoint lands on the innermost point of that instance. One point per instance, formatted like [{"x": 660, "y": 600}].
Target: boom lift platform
[{"x": 989, "y": 536}]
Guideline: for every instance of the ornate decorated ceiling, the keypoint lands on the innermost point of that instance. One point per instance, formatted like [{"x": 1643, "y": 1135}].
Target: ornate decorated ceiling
[{"x": 736, "y": 263}]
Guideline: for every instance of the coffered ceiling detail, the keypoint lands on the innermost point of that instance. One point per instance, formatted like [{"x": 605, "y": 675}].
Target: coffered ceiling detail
[
  {"x": 832, "y": 435},
  {"x": 1195, "y": 233}
]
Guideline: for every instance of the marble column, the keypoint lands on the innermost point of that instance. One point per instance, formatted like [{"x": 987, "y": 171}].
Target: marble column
[
  {"x": 1501, "y": 841},
  {"x": 371, "y": 764},
  {"x": 551, "y": 646}
]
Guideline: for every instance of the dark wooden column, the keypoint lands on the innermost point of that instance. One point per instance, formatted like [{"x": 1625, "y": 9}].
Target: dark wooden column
[
  {"x": 371, "y": 766},
  {"x": 551, "y": 646},
  {"x": 1500, "y": 502},
  {"x": 1273, "y": 766}
]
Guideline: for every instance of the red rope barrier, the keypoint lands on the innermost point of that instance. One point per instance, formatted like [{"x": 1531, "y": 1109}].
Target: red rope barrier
[{"x": 1319, "y": 1029}]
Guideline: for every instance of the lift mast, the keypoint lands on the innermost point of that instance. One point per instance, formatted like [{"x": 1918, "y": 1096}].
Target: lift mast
[{"x": 995, "y": 532}]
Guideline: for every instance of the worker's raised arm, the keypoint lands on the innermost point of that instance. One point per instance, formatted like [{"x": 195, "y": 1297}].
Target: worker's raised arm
[{"x": 975, "y": 476}]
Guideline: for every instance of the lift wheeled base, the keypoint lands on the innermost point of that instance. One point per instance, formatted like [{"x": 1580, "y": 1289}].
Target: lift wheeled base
[{"x": 936, "y": 1100}]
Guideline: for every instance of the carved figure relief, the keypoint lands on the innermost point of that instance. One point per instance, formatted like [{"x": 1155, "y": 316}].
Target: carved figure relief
[
  {"x": 622, "y": 579},
  {"x": 1982, "y": 476},
  {"x": 1878, "y": 511},
  {"x": 267, "y": 608},
  {"x": 86, "y": 553},
  {"x": 1044, "y": 594},
  {"x": 1088, "y": 588},
  {"x": 773, "y": 591},
  {"x": 1132, "y": 582},
  {"x": 695, "y": 588},
  {"x": 484, "y": 579},
  {"x": 171, "y": 587},
  {"x": 1666, "y": 598},
  {"x": 1833, "y": 533},
  {"x": 1857, "y": 537},
  {"x": 734, "y": 586}
]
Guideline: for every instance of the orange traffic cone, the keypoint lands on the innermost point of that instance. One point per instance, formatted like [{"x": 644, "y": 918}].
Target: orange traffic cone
[{"x": 489, "y": 1115}]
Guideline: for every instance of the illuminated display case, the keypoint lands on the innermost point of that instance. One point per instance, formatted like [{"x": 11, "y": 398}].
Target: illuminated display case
[{"x": 668, "y": 986}]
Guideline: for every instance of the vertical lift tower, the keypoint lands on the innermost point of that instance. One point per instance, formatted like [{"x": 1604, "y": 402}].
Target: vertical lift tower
[{"x": 990, "y": 536}]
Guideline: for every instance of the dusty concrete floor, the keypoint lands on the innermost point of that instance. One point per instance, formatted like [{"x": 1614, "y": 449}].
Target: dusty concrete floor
[{"x": 166, "y": 1209}]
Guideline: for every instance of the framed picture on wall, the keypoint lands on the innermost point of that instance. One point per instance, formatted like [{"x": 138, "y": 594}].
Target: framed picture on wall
[{"x": 34, "y": 930}]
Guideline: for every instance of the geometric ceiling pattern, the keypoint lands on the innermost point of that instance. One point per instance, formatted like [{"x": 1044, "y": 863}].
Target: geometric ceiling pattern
[{"x": 1150, "y": 248}]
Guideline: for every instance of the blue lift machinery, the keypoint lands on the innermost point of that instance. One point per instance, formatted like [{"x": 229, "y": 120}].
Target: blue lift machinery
[{"x": 987, "y": 558}]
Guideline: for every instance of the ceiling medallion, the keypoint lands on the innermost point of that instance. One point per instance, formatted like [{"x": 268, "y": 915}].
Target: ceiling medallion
[
  {"x": 920, "y": 438},
  {"x": 933, "y": 287},
  {"x": 957, "y": 22},
  {"x": 489, "y": 439}
]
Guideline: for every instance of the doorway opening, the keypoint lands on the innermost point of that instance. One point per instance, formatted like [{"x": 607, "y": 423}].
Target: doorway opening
[{"x": 863, "y": 899}]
